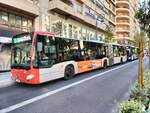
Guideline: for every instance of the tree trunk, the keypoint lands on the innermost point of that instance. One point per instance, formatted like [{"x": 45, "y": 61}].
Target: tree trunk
[
  {"x": 149, "y": 52},
  {"x": 140, "y": 73}
]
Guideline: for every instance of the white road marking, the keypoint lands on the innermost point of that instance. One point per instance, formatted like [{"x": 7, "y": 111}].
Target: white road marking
[{"x": 34, "y": 99}]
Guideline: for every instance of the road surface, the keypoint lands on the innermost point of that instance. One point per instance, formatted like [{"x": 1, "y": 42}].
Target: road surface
[{"x": 98, "y": 91}]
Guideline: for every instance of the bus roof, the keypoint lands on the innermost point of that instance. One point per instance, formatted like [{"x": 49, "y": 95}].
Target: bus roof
[
  {"x": 117, "y": 44},
  {"x": 43, "y": 33}
]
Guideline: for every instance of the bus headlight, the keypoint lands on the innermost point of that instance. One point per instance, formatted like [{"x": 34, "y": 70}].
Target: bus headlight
[{"x": 29, "y": 77}]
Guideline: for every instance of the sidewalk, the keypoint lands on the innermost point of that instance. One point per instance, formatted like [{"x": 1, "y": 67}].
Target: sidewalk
[{"x": 5, "y": 78}]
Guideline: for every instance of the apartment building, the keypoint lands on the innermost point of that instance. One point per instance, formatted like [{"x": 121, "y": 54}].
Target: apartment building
[
  {"x": 78, "y": 19},
  {"x": 82, "y": 19},
  {"x": 78, "y": 16},
  {"x": 16, "y": 16},
  {"x": 126, "y": 23}
]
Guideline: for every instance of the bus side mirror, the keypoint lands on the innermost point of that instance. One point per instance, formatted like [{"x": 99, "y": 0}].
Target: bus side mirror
[{"x": 39, "y": 46}]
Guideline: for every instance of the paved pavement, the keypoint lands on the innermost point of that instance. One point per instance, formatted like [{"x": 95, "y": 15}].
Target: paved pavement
[
  {"x": 98, "y": 91},
  {"x": 5, "y": 79}
]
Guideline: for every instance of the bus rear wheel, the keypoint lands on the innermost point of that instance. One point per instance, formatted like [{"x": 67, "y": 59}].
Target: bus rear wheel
[
  {"x": 105, "y": 64},
  {"x": 69, "y": 72},
  {"x": 121, "y": 61}
]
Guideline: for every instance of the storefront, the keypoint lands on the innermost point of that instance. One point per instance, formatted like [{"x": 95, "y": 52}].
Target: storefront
[
  {"x": 5, "y": 53},
  {"x": 12, "y": 22}
]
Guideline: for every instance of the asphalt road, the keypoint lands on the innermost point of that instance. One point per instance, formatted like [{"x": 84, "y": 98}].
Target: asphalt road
[{"x": 98, "y": 91}]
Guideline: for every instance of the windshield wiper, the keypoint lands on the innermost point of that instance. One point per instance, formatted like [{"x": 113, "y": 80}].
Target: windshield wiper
[{"x": 20, "y": 66}]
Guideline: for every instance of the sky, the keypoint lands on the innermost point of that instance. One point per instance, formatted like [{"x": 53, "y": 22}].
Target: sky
[{"x": 141, "y": 1}]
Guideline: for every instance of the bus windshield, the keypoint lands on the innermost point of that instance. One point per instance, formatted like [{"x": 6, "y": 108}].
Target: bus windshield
[{"x": 21, "y": 51}]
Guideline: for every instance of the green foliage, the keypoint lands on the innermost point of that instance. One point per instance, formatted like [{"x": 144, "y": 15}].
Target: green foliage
[
  {"x": 143, "y": 16},
  {"x": 108, "y": 34},
  {"x": 142, "y": 94},
  {"x": 130, "y": 106},
  {"x": 140, "y": 37},
  {"x": 138, "y": 97}
]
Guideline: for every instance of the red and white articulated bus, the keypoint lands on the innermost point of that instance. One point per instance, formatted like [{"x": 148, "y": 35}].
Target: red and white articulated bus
[{"x": 39, "y": 57}]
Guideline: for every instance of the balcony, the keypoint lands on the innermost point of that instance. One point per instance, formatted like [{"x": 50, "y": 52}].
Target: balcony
[
  {"x": 122, "y": 2},
  {"x": 70, "y": 12},
  {"x": 81, "y": 1},
  {"x": 61, "y": 7},
  {"x": 23, "y": 5},
  {"x": 123, "y": 30},
  {"x": 122, "y": 17},
  {"x": 123, "y": 38},
  {"x": 123, "y": 23},
  {"x": 122, "y": 9},
  {"x": 113, "y": 1}
]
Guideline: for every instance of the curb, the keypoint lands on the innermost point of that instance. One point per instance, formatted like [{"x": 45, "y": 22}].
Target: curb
[
  {"x": 6, "y": 83},
  {"x": 3, "y": 71}
]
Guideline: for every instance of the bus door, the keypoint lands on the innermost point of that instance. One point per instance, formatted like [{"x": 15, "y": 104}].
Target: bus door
[{"x": 110, "y": 55}]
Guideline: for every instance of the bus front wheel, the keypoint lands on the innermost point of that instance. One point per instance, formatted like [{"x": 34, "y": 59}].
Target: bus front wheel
[{"x": 69, "y": 72}]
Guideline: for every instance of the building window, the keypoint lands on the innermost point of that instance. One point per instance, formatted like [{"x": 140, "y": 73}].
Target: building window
[
  {"x": 70, "y": 31},
  {"x": 88, "y": 35},
  {"x": 75, "y": 32},
  {"x": 15, "y": 21},
  {"x": 79, "y": 8},
  {"x": 18, "y": 22},
  {"x": 65, "y": 30},
  {"x": 57, "y": 28},
  {"x": 84, "y": 33},
  {"x": 24, "y": 24},
  {"x": 80, "y": 34},
  {"x": 89, "y": 12},
  {"x": 12, "y": 20},
  {"x": 30, "y": 25},
  {"x": 47, "y": 23},
  {"x": 92, "y": 35},
  {"x": 4, "y": 18}
]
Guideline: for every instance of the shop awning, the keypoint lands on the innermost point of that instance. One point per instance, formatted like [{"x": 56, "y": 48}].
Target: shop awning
[{"x": 5, "y": 39}]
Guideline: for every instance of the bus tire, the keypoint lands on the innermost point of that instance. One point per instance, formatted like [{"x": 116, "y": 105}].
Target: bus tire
[
  {"x": 105, "y": 64},
  {"x": 121, "y": 61},
  {"x": 69, "y": 72}
]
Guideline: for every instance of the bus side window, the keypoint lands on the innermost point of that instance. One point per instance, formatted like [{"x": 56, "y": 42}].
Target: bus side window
[
  {"x": 39, "y": 46},
  {"x": 46, "y": 51}
]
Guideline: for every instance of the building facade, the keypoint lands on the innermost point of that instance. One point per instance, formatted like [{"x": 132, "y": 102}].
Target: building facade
[
  {"x": 76, "y": 19},
  {"x": 126, "y": 23},
  {"x": 16, "y": 16}
]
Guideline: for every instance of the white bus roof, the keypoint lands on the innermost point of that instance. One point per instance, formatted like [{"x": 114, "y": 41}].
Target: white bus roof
[
  {"x": 117, "y": 44},
  {"x": 5, "y": 39}
]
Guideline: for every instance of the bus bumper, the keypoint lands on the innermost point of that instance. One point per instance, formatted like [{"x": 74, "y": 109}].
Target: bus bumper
[{"x": 25, "y": 76}]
